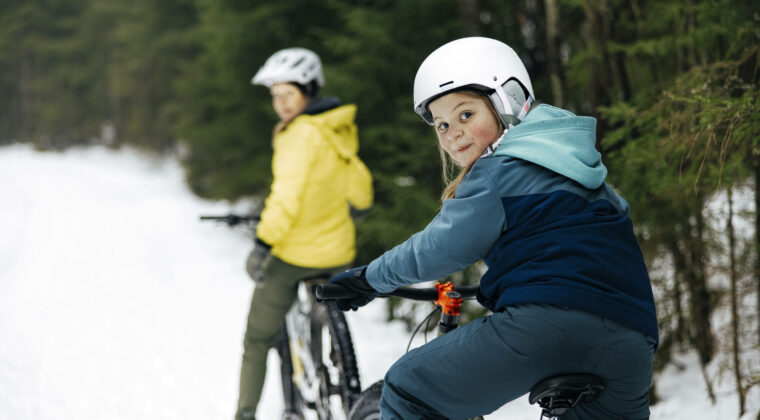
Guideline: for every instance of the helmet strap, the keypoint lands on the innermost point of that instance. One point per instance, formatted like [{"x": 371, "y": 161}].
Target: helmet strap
[
  {"x": 525, "y": 108},
  {"x": 510, "y": 102},
  {"x": 493, "y": 146}
]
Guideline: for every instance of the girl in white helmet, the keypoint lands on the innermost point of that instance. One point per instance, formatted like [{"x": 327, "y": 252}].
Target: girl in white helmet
[
  {"x": 566, "y": 280},
  {"x": 305, "y": 229}
]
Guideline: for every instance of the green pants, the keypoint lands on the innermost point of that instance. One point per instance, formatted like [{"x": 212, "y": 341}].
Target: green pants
[{"x": 271, "y": 300}]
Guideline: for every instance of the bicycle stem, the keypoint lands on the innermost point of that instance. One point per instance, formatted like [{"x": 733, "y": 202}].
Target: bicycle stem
[{"x": 450, "y": 303}]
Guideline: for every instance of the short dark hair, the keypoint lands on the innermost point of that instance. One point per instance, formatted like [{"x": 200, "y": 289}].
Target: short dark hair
[{"x": 310, "y": 90}]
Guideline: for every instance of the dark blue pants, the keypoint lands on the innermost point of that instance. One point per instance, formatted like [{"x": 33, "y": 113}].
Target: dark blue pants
[{"x": 483, "y": 365}]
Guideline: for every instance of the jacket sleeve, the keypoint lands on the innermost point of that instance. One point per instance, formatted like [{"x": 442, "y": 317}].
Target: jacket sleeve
[
  {"x": 360, "y": 193},
  {"x": 294, "y": 157},
  {"x": 460, "y": 234}
]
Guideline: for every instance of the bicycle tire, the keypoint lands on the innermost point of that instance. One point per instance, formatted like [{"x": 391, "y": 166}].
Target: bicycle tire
[
  {"x": 342, "y": 356},
  {"x": 367, "y": 406},
  {"x": 291, "y": 396}
]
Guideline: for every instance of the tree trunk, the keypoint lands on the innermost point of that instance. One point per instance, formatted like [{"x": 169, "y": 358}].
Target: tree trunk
[
  {"x": 469, "y": 12},
  {"x": 681, "y": 334},
  {"x": 614, "y": 63},
  {"x": 734, "y": 303},
  {"x": 553, "y": 60},
  {"x": 696, "y": 281},
  {"x": 592, "y": 40},
  {"x": 653, "y": 64},
  {"x": 686, "y": 56},
  {"x": 114, "y": 94},
  {"x": 624, "y": 83},
  {"x": 688, "y": 250},
  {"x": 757, "y": 245},
  {"x": 25, "y": 96},
  {"x": 699, "y": 302},
  {"x": 599, "y": 86}
]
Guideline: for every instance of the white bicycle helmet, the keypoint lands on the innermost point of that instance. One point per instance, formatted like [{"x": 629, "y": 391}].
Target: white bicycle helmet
[
  {"x": 297, "y": 65},
  {"x": 483, "y": 64}
]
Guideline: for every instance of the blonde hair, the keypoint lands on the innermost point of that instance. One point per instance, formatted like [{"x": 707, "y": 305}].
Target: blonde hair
[{"x": 450, "y": 179}]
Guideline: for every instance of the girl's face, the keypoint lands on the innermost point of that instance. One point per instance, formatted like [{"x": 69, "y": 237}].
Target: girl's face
[
  {"x": 465, "y": 125},
  {"x": 287, "y": 101}
]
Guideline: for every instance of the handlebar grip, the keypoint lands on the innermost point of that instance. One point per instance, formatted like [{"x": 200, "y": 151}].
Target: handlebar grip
[{"x": 333, "y": 292}]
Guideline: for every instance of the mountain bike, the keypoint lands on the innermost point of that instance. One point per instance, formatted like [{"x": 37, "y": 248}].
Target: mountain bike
[
  {"x": 555, "y": 395},
  {"x": 318, "y": 366}
]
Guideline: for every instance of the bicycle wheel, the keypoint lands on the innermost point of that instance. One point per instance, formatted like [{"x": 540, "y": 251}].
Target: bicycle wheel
[
  {"x": 333, "y": 350},
  {"x": 293, "y": 401},
  {"x": 367, "y": 406}
]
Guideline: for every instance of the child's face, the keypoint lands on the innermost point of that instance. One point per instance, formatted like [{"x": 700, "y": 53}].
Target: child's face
[
  {"x": 465, "y": 125},
  {"x": 287, "y": 101}
]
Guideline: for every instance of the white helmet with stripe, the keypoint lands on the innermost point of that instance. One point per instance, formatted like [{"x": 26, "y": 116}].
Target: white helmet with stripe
[{"x": 477, "y": 63}]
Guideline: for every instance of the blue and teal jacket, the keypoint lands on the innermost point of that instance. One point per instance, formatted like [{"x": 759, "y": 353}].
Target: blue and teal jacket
[{"x": 541, "y": 217}]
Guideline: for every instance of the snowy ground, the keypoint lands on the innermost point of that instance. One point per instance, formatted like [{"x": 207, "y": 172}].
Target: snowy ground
[{"x": 116, "y": 303}]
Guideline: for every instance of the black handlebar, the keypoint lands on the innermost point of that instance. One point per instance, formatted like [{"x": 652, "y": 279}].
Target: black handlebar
[
  {"x": 232, "y": 219},
  {"x": 334, "y": 291}
]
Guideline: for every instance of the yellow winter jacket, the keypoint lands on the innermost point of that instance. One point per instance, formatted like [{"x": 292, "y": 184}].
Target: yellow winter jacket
[{"x": 317, "y": 174}]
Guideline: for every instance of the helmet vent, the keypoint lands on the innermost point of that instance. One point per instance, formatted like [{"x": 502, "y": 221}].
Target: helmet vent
[
  {"x": 291, "y": 65},
  {"x": 446, "y": 84},
  {"x": 299, "y": 61}
]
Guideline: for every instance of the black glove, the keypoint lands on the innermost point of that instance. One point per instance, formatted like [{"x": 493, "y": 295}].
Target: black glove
[
  {"x": 258, "y": 260},
  {"x": 354, "y": 280}
]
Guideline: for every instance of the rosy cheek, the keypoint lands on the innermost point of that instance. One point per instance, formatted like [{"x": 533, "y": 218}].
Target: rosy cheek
[{"x": 485, "y": 135}]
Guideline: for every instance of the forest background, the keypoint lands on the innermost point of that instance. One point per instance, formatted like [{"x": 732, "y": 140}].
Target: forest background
[{"x": 674, "y": 85}]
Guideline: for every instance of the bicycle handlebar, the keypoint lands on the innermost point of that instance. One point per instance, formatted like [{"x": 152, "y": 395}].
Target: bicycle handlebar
[
  {"x": 232, "y": 219},
  {"x": 334, "y": 291}
]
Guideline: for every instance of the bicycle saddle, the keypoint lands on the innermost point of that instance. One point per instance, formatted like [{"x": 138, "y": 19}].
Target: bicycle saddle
[{"x": 560, "y": 393}]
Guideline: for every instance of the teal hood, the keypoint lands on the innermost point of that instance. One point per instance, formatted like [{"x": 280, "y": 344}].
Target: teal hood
[{"x": 560, "y": 141}]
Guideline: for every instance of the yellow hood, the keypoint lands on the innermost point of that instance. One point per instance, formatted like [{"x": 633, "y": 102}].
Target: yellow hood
[{"x": 339, "y": 129}]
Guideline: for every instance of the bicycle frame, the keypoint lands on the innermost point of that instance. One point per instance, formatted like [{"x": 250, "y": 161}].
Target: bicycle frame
[{"x": 299, "y": 326}]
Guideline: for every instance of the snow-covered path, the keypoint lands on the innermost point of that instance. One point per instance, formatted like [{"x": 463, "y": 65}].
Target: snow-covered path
[{"x": 116, "y": 303}]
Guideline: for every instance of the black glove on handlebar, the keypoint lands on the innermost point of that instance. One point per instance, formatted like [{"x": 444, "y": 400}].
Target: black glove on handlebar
[
  {"x": 354, "y": 280},
  {"x": 258, "y": 260}
]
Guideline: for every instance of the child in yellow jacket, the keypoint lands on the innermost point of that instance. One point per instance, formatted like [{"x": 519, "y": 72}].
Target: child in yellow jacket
[{"x": 306, "y": 228}]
